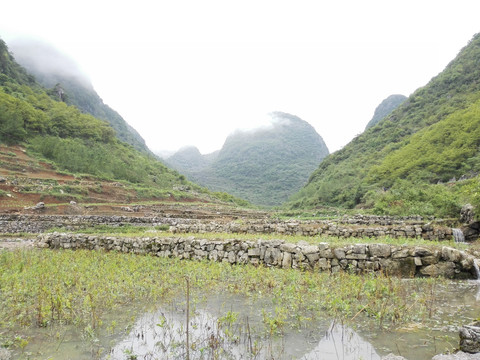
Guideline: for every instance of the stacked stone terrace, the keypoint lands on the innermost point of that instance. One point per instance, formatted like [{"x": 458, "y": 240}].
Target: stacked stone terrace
[
  {"x": 353, "y": 227},
  {"x": 404, "y": 261}
]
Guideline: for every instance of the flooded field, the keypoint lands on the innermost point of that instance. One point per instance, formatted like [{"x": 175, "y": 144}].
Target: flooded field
[{"x": 237, "y": 327}]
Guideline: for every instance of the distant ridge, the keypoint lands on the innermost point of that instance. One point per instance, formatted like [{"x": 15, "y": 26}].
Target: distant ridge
[{"x": 264, "y": 166}]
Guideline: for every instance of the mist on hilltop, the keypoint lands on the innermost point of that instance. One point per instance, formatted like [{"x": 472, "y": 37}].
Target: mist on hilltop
[{"x": 47, "y": 63}]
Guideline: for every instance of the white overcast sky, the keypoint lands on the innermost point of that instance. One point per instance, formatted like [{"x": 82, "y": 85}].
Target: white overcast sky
[{"x": 191, "y": 72}]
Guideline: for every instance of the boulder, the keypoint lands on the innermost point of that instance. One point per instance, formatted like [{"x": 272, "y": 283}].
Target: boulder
[
  {"x": 445, "y": 269},
  {"x": 467, "y": 214},
  {"x": 379, "y": 250},
  {"x": 5, "y": 354},
  {"x": 470, "y": 338},
  {"x": 402, "y": 267},
  {"x": 39, "y": 206},
  {"x": 393, "y": 357},
  {"x": 460, "y": 355}
]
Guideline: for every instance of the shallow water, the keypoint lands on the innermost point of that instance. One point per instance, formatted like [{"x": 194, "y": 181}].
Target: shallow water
[
  {"x": 234, "y": 328},
  {"x": 162, "y": 336}
]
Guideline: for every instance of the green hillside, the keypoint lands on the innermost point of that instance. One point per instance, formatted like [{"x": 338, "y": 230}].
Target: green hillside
[
  {"x": 264, "y": 166},
  {"x": 77, "y": 142},
  {"x": 398, "y": 165},
  {"x": 190, "y": 160},
  {"x": 63, "y": 78}
]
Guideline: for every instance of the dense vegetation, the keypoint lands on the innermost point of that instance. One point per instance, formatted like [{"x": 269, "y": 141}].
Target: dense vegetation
[
  {"x": 398, "y": 165},
  {"x": 74, "y": 141},
  {"x": 264, "y": 166},
  {"x": 66, "y": 82},
  {"x": 385, "y": 108}
]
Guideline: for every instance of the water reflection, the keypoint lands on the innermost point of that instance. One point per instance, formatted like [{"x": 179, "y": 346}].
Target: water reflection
[
  {"x": 235, "y": 328},
  {"x": 162, "y": 335},
  {"x": 342, "y": 343}
]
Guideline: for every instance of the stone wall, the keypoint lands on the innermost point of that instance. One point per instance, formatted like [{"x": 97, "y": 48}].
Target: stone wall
[
  {"x": 355, "y": 227},
  {"x": 404, "y": 261}
]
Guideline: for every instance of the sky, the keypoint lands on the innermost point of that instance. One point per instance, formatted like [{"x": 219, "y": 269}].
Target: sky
[{"x": 190, "y": 72}]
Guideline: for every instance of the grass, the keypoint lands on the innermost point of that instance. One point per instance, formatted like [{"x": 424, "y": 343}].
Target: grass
[
  {"x": 126, "y": 230},
  {"x": 45, "y": 288}
]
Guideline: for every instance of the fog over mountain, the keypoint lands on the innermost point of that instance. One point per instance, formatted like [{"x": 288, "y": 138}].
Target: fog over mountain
[
  {"x": 61, "y": 74},
  {"x": 264, "y": 165}
]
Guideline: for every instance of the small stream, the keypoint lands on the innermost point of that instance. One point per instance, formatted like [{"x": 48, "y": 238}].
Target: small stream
[{"x": 228, "y": 327}]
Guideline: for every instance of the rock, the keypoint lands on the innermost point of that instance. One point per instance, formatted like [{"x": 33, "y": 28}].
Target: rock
[
  {"x": 2, "y": 180},
  {"x": 5, "y": 354},
  {"x": 421, "y": 251},
  {"x": 39, "y": 206},
  {"x": 309, "y": 249},
  {"x": 400, "y": 253},
  {"x": 393, "y": 357},
  {"x": 451, "y": 254},
  {"x": 470, "y": 338},
  {"x": 467, "y": 214},
  {"x": 445, "y": 269},
  {"x": 73, "y": 203},
  {"x": 339, "y": 253},
  {"x": 287, "y": 260},
  {"x": 457, "y": 356},
  {"x": 402, "y": 267},
  {"x": 471, "y": 231},
  {"x": 254, "y": 252},
  {"x": 291, "y": 248}
]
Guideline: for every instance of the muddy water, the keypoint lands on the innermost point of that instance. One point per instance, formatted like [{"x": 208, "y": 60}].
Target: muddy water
[{"x": 236, "y": 328}]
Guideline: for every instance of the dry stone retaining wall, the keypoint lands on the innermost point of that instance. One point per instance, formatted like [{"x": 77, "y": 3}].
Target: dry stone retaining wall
[
  {"x": 404, "y": 261},
  {"x": 355, "y": 227}
]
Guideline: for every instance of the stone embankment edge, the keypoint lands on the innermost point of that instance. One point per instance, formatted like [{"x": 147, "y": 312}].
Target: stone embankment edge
[
  {"x": 403, "y": 261},
  {"x": 344, "y": 228}
]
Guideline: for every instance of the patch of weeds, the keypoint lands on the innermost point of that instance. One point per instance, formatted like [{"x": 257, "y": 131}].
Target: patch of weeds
[{"x": 44, "y": 287}]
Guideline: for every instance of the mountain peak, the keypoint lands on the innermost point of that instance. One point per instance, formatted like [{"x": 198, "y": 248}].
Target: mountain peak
[
  {"x": 385, "y": 108},
  {"x": 263, "y": 165}
]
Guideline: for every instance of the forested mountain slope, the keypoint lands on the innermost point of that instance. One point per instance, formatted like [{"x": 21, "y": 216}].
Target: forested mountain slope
[
  {"x": 189, "y": 160},
  {"x": 78, "y": 142},
  {"x": 264, "y": 166},
  {"x": 63, "y": 78},
  {"x": 396, "y": 165}
]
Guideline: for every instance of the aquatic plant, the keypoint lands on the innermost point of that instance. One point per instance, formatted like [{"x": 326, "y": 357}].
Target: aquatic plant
[{"x": 41, "y": 288}]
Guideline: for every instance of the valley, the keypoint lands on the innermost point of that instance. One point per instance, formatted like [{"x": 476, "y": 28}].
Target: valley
[{"x": 267, "y": 248}]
